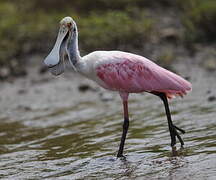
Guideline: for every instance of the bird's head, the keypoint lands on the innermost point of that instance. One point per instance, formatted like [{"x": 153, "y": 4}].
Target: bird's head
[{"x": 55, "y": 61}]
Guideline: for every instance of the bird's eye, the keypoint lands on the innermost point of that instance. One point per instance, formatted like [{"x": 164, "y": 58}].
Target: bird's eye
[
  {"x": 69, "y": 25},
  {"x": 74, "y": 29}
]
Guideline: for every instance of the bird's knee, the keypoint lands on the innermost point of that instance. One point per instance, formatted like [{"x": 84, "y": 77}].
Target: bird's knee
[{"x": 126, "y": 123}]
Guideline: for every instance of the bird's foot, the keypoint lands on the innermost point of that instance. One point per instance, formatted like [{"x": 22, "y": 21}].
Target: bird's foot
[
  {"x": 174, "y": 133},
  {"x": 121, "y": 156},
  {"x": 176, "y": 152}
]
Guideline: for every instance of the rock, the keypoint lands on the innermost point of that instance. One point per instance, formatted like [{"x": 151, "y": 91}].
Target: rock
[
  {"x": 43, "y": 69},
  {"x": 4, "y": 72},
  {"x": 210, "y": 64},
  {"x": 170, "y": 34},
  {"x": 187, "y": 78},
  {"x": 208, "y": 92},
  {"x": 211, "y": 98},
  {"x": 84, "y": 87},
  {"x": 22, "y": 91}
]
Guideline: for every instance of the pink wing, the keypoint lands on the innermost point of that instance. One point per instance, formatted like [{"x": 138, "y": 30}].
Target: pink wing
[{"x": 131, "y": 73}]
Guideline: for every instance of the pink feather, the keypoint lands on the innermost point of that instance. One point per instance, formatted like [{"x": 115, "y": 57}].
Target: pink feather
[{"x": 132, "y": 74}]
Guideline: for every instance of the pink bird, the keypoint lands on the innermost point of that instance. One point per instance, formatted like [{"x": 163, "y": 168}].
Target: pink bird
[{"x": 117, "y": 71}]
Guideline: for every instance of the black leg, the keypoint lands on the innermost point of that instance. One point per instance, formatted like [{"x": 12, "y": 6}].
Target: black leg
[
  {"x": 125, "y": 129},
  {"x": 172, "y": 128},
  {"x": 124, "y": 133}
]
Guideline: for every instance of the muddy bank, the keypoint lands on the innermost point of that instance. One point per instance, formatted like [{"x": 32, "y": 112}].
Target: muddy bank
[{"x": 162, "y": 30}]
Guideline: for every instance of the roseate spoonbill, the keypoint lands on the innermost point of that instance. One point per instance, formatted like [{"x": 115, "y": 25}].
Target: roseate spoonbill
[{"x": 117, "y": 71}]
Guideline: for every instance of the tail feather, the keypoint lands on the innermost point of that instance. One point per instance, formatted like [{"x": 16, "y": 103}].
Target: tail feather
[{"x": 180, "y": 86}]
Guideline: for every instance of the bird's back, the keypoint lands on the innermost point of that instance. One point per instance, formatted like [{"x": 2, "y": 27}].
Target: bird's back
[{"x": 126, "y": 72}]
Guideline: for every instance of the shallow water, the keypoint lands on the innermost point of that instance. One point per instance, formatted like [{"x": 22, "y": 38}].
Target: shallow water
[{"x": 52, "y": 131}]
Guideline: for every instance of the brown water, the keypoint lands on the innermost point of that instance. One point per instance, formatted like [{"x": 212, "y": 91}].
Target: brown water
[{"x": 50, "y": 130}]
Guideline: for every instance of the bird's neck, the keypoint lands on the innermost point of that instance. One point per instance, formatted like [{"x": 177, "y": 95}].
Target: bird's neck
[{"x": 73, "y": 49}]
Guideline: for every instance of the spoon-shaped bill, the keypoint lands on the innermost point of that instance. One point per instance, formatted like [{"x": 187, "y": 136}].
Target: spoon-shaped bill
[{"x": 54, "y": 56}]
